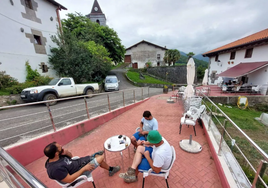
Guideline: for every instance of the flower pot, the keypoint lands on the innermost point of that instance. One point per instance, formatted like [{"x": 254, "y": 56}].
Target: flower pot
[{"x": 165, "y": 90}]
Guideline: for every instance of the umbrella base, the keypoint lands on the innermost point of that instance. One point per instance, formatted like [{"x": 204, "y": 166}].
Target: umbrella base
[{"x": 194, "y": 147}]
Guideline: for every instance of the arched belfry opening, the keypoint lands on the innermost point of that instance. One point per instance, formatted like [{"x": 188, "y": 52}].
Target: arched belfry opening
[{"x": 96, "y": 14}]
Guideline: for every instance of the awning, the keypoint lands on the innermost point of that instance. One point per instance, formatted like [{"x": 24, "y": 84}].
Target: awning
[{"x": 243, "y": 69}]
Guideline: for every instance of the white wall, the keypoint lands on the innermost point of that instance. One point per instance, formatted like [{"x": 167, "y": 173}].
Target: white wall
[
  {"x": 260, "y": 53},
  {"x": 143, "y": 53},
  {"x": 15, "y": 47}
]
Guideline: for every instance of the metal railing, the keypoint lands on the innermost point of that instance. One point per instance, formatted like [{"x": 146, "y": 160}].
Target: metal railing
[
  {"x": 25, "y": 122},
  {"x": 14, "y": 174},
  {"x": 221, "y": 123}
]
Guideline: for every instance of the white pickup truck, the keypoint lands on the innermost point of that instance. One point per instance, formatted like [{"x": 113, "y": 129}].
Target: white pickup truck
[{"x": 57, "y": 88}]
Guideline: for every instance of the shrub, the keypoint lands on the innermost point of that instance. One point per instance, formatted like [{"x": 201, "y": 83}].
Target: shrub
[
  {"x": 42, "y": 80},
  {"x": 13, "y": 102},
  {"x": 261, "y": 107},
  {"x": 6, "y": 80},
  {"x": 148, "y": 64},
  {"x": 31, "y": 74},
  {"x": 16, "y": 89}
]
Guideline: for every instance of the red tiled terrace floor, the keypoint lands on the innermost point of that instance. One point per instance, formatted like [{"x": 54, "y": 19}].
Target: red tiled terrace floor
[{"x": 189, "y": 170}]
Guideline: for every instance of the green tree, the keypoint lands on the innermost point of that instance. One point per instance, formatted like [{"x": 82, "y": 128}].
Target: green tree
[
  {"x": 171, "y": 56},
  {"x": 200, "y": 72},
  {"x": 190, "y": 54},
  {"x": 86, "y": 30},
  {"x": 84, "y": 61}
]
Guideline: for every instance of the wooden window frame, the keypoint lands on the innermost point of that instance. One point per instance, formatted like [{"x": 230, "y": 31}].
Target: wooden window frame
[
  {"x": 216, "y": 57},
  {"x": 37, "y": 40},
  {"x": 248, "y": 53},
  {"x": 232, "y": 55},
  {"x": 44, "y": 68},
  {"x": 28, "y": 4}
]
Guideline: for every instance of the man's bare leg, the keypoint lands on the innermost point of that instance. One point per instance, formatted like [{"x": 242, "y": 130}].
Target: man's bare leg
[
  {"x": 103, "y": 164},
  {"x": 100, "y": 160},
  {"x": 134, "y": 141},
  {"x": 137, "y": 157}
]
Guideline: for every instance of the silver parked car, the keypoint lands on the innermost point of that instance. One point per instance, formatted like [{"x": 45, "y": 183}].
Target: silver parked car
[{"x": 111, "y": 83}]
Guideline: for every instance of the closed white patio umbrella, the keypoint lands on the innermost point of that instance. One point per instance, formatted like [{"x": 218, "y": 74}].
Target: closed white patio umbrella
[
  {"x": 189, "y": 91},
  {"x": 205, "y": 79}
]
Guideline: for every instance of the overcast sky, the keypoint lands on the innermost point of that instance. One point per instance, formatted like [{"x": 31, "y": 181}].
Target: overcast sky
[{"x": 186, "y": 25}]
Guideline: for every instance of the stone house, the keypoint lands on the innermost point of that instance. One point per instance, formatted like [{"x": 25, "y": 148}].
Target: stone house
[
  {"x": 245, "y": 60},
  {"x": 138, "y": 55},
  {"x": 27, "y": 27}
]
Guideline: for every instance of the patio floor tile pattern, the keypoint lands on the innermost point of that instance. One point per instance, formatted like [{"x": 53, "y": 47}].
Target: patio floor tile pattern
[{"x": 189, "y": 170}]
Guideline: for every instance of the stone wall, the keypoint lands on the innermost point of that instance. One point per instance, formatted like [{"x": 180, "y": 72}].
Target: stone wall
[
  {"x": 252, "y": 100},
  {"x": 172, "y": 74},
  {"x": 4, "y": 99}
]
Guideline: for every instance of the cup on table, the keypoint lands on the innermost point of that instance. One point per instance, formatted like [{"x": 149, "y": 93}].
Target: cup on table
[{"x": 109, "y": 143}]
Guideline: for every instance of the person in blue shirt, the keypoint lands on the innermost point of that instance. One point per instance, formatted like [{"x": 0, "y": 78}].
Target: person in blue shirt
[{"x": 148, "y": 123}]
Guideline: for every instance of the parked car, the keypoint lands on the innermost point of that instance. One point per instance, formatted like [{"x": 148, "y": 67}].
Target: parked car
[
  {"x": 111, "y": 83},
  {"x": 57, "y": 88}
]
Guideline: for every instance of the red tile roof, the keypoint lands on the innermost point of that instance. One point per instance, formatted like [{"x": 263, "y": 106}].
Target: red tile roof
[
  {"x": 243, "y": 69},
  {"x": 144, "y": 41},
  {"x": 246, "y": 40}
]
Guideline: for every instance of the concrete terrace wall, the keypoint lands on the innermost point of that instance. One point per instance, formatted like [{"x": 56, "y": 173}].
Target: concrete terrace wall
[
  {"x": 172, "y": 74},
  {"x": 252, "y": 100}
]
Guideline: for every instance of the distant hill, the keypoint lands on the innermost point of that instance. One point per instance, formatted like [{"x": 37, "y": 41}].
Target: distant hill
[
  {"x": 200, "y": 57},
  {"x": 184, "y": 59},
  {"x": 183, "y": 53}
]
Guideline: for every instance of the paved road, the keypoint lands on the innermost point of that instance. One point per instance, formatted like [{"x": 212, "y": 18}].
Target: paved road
[{"x": 20, "y": 124}]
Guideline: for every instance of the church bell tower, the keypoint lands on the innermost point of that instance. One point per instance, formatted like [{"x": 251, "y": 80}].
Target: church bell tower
[{"x": 96, "y": 14}]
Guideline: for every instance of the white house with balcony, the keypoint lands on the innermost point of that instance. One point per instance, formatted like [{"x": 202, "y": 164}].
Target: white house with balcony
[
  {"x": 245, "y": 60},
  {"x": 140, "y": 54},
  {"x": 26, "y": 29}
]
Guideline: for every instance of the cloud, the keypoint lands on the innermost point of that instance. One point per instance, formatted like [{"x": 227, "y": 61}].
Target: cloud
[{"x": 191, "y": 25}]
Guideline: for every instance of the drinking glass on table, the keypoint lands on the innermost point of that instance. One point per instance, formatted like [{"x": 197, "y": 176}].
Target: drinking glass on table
[{"x": 109, "y": 144}]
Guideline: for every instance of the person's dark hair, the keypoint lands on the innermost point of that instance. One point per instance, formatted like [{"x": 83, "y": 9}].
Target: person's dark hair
[
  {"x": 50, "y": 150},
  {"x": 147, "y": 114}
]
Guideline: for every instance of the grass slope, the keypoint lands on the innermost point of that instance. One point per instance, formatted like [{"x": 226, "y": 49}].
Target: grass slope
[{"x": 134, "y": 76}]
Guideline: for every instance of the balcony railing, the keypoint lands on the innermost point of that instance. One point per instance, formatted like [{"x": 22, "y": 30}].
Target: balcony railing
[
  {"x": 14, "y": 174},
  {"x": 40, "y": 118},
  {"x": 234, "y": 137}
]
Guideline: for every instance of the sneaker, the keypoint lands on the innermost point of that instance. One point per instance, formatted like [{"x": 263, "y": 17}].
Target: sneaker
[
  {"x": 130, "y": 176},
  {"x": 123, "y": 175},
  {"x": 115, "y": 169}
]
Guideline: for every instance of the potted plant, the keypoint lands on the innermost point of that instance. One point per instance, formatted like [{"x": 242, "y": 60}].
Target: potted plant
[{"x": 165, "y": 89}]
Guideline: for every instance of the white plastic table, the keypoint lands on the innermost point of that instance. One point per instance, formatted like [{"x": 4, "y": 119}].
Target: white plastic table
[{"x": 117, "y": 147}]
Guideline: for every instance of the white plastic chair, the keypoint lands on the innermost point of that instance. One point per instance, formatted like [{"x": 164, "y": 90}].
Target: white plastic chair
[
  {"x": 224, "y": 89},
  {"x": 190, "y": 117},
  {"x": 256, "y": 89},
  {"x": 163, "y": 173},
  {"x": 205, "y": 90},
  {"x": 85, "y": 177}
]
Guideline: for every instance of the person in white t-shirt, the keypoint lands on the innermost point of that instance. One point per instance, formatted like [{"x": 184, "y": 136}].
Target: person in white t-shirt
[
  {"x": 156, "y": 154},
  {"x": 148, "y": 123}
]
